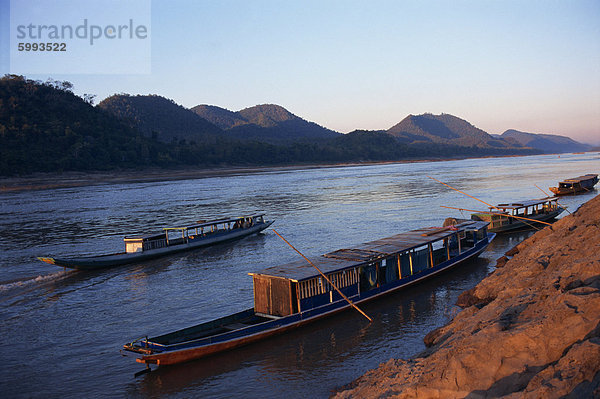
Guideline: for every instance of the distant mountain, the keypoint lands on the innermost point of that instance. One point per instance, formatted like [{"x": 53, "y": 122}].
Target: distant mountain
[
  {"x": 160, "y": 118},
  {"x": 268, "y": 122},
  {"x": 445, "y": 129},
  {"x": 549, "y": 143}
]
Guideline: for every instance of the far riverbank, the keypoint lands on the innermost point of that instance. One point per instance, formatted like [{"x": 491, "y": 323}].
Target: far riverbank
[{"x": 44, "y": 181}]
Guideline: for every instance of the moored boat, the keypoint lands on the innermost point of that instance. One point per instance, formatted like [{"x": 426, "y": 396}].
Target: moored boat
[
  {"x": 520, "y": 215},
  {"x": 171, "y": 240},
  {"x": 581, "y": 184},
  {"x": 294, "y": 294}
]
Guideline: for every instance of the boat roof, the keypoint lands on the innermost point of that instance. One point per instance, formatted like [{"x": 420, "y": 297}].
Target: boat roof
[
  {"x": 198, "y": 224},
  {"x": 362, "y": 253},
  {"x": 580, "y": 178},
  {"x": 205, "y": 223},
  {"x": 526, "y": 203}
]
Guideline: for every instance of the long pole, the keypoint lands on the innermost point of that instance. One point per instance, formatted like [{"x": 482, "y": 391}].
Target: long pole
[
  {"x": 491, "y": 213},
  {"x": 455, "y": 189},
  {"x": 324, "y": 276},
  {"x": 490, "y": 205}
]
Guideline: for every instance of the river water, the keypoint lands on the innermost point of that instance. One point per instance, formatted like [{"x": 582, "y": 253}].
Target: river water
[{"x": 62, "y": 330}]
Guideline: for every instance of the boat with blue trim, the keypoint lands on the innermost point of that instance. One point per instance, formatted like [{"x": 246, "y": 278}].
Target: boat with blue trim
[
  {"x": 173, "y": 239},
  {"x": 294, "y": 294}
]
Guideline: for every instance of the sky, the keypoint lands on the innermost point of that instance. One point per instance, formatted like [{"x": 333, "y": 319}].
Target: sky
[{"x": 528, "y": 65}]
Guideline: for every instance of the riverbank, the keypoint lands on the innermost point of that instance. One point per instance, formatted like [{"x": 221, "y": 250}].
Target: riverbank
[
  {"x": 531, "y": 329},
  {"x": 43, "y": 181}
]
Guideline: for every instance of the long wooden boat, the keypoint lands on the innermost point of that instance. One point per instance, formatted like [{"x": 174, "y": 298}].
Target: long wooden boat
[
  {"x": 581, "y": 184},
  {"x": 292, "y": 295},
  {"x": 502, "y": 217},
  {"x": 171, "y": 240}
]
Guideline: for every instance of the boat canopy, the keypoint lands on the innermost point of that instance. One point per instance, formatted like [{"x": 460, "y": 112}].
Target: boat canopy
[
  {"x": 367, "y": 252},
  {"x": 208, "y": 223},
  {"x": 198, "y": 225},
  {"x": 524, "y": 204},
  {"x": 580, "y": 178}
]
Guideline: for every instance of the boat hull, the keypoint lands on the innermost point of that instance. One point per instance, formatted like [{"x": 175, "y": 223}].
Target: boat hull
[
  {"x": 123, "y": 258},
  {"x": 196, "y": 349}
]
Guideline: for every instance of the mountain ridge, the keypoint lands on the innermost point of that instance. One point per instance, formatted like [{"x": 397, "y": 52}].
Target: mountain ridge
[
  {"x": 269, "y": 122},
  {"x": 549, "y": 143},
  {"x": 445, "y": 129}
]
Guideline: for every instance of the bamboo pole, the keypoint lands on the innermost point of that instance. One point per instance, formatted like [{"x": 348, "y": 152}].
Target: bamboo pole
[
  {"x": 324, "y": 276},
  {"x": 455, "y": 189},
  {"x": 490, "y": 205},
  {"x": 492, "y": 213}
]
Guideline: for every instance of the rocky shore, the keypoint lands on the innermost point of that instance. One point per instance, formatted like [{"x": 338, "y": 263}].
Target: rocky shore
[{"x": 531, "y": 329}]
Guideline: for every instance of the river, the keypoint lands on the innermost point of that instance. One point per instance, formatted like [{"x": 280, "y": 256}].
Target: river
[{"x": 62, "y": 330}]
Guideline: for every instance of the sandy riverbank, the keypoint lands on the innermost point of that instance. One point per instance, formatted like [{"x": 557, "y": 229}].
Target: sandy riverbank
[{"x": 529, "y": 330}]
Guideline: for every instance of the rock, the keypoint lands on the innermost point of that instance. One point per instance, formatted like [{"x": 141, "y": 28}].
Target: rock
[
  {"x": 501, "y": 262},
  {"x": 531, "y": 329}
]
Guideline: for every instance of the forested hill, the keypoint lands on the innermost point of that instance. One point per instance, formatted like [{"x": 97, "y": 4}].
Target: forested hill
[
  {"x": 160, "y": 118},
  {"x": 267, "y": 122},
  {"x": 44, "y": 127},
  {"x": 446, "y": 129}
]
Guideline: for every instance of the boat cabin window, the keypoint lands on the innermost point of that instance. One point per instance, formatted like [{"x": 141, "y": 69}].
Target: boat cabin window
[
  {"x": 469, "y": 239},
  {"x": 368, "y": 277},
  {"x": 405, "y": 264},
  {"x": 481, "y": 234},
  {"x": 420, "y": 259},
  {"x": 317, "y": 286},
  {"x": 454, "y": 242},
  {"x": 388, "y": 270},
  {"x": 439, "y": 251}
]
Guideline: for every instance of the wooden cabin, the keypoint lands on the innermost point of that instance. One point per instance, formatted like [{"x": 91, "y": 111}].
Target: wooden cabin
[
  {"x": 363, "y": 271},
  {"x": 144, "y": 243}
]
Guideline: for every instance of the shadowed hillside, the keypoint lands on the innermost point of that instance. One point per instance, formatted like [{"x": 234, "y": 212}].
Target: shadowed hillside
[
  {"x": 45, "y": 127},
  {"x": 160, "y": 118},
  {"x": 268, "y": 122}
]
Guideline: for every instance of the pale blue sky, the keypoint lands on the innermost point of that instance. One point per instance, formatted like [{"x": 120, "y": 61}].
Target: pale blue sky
[{"x": 526, "y": 65}]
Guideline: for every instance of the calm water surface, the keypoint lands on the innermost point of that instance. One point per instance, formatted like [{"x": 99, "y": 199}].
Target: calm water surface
[{"x": 62, "y": 330}]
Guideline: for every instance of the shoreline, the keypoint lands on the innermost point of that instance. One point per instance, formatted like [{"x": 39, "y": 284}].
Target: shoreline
[{"x": 52, "y": 180}]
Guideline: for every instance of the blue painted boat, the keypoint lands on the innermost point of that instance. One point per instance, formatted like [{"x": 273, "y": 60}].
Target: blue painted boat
[
  {"x": 171, "y": 240},
  {"x": 291, "y": 295}
]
